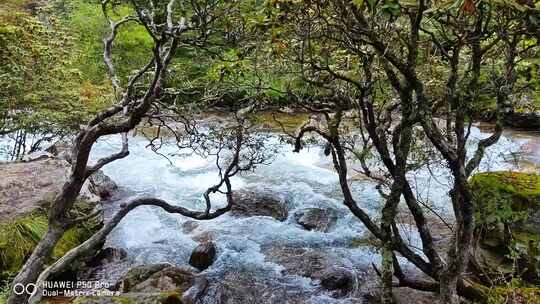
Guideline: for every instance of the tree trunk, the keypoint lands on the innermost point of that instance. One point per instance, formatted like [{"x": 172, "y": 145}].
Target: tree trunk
[
  {"x": 36, "y": 263},
  {"x": 459, "y": 251}
]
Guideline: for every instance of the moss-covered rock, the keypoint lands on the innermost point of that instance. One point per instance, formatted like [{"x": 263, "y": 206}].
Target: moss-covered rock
[
  {"x": 138, "y": 275},
  {"x": 508, "y": 223}
]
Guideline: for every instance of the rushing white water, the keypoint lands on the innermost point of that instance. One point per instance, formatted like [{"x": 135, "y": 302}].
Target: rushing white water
[{"x": 302, "y": 179}]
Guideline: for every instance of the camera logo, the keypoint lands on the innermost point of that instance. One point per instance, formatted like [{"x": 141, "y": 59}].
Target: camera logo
[{"x": 20, "y": 289}]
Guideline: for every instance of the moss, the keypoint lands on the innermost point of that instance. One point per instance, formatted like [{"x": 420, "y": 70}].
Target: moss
[
  {"x": 512, "y": 294},
  {"x": 19, "y": 236},
  {"x": 17, "y": 240},
  {"x": 505, "y": 196},
  {"x": 274, "y": 121},
  {"x": 523, "y": 185}
]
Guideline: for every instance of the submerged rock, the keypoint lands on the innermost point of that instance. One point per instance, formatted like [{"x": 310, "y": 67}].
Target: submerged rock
[
  {"x": 196, "y": 291},
  {"x": 134, "y": 298},
  {"x": 251, "y": 203},
  {"x": 315, "y": 264},
  {"x": 204, "y": 236},
  {"x": 189, "y": 226},
  {"x": 241, "y": 287},
  {"x": 203, "y": 255},
  {"x": 316, "y": 218}
]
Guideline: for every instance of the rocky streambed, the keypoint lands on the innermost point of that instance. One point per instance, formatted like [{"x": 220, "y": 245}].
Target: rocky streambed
[{"x": 289, "y": 239}]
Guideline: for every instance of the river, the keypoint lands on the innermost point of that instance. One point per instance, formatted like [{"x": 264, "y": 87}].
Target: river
[{"x": 305, "y": 179}]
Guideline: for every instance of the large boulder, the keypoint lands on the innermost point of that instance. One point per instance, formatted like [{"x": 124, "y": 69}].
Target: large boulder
[
  {"x": 203, "y": 255},
  {"x": 328, "y": 270},
  {"x": 507, "y": 216},
  {"x": 316, "y": 218},
  {"x": 26, "y": 186},
  {"x": 251, "y": 203}
]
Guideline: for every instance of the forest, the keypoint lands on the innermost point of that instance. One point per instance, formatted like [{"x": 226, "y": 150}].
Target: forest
[{"x": 269, "y": 151}]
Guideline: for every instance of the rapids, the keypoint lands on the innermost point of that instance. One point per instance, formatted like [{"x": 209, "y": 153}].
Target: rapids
[{"x": 304, "y": 179}]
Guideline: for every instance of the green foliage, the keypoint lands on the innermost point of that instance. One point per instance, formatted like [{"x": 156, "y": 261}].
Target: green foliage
[
  {"x": 41, "y": 92},
  {"x": 88, "y": 27}
]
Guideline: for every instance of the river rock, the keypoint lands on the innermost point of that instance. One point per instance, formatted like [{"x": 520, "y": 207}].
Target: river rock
[
  {"x": 251, "y": 203},
  {"x": 102, "y": 185},
  {"x": 336, "y": 279},
  {"x": 107, "y": 265},
  {"x": 61, "y": 150},
  {"x": 168, "y": 279},
  {"x": 316, "y": 218},
  {"x": 203, "y": 255},
  {"x": 315, "y": 264},
  {"x": 156, "y": 278},
  {"x": 196, "y": 291}
]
